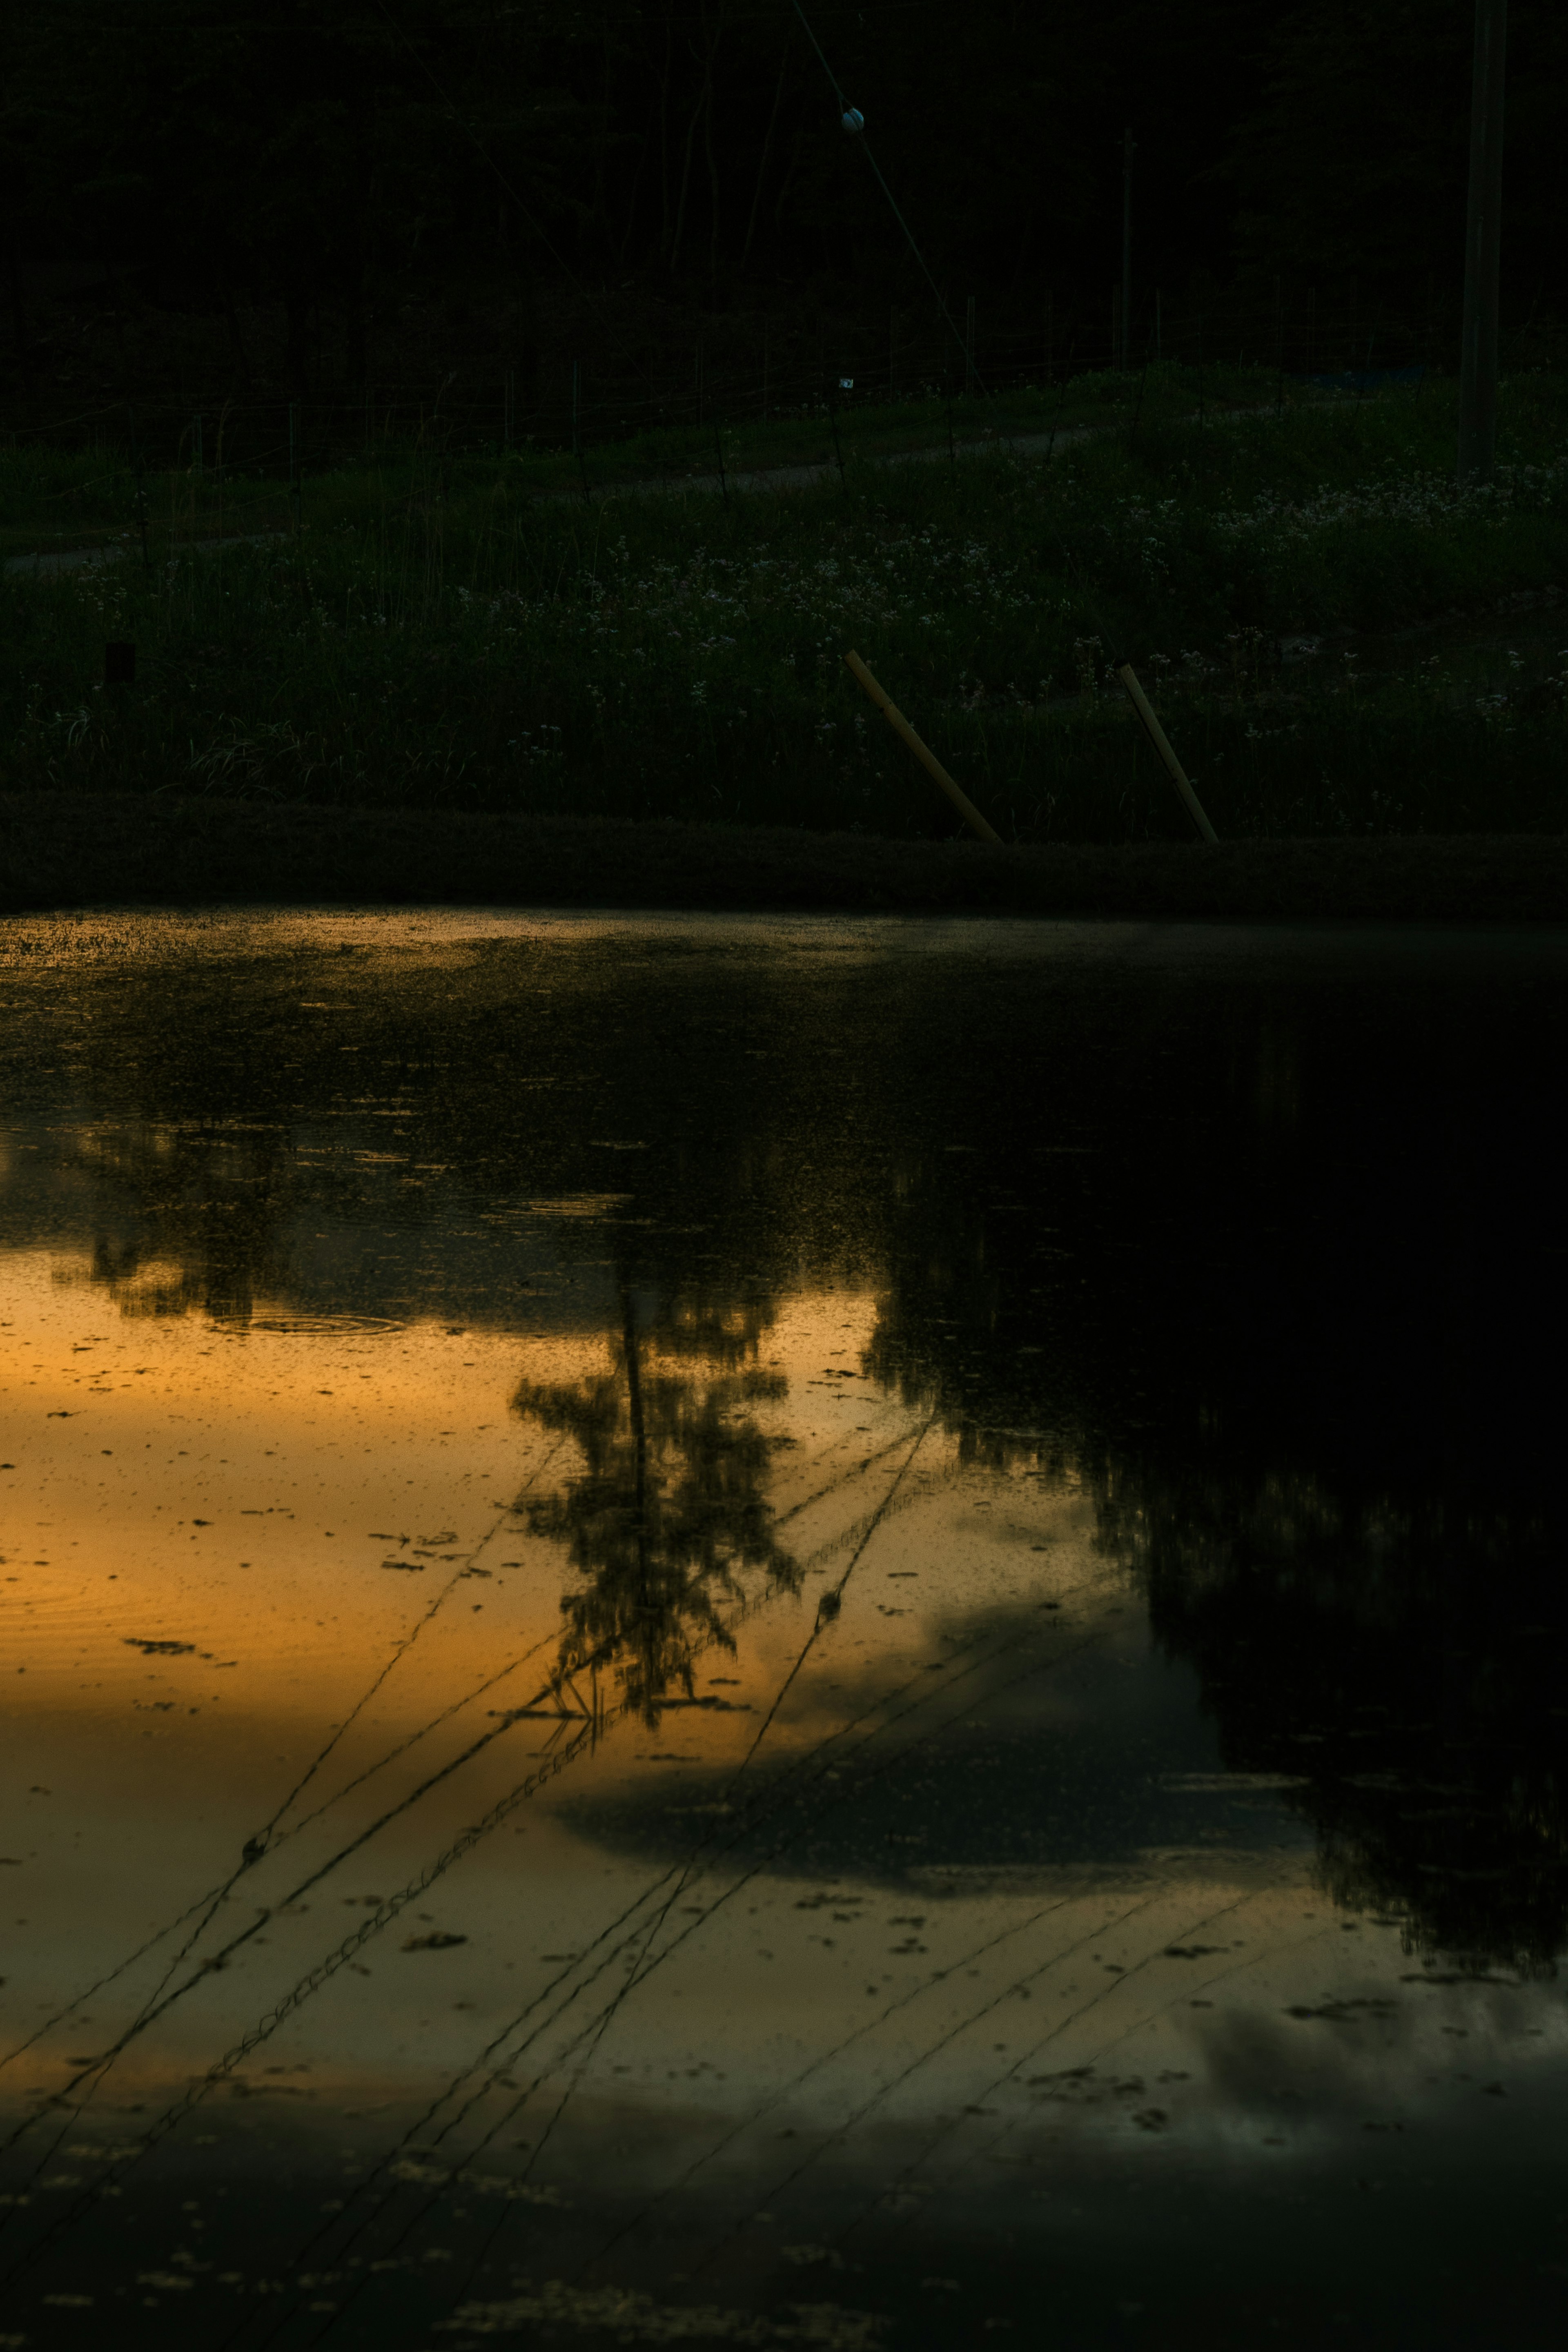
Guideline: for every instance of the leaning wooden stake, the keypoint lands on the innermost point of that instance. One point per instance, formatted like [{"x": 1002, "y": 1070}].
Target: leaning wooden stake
[
  {"x": 928, "y": 759},
  {"x": 1156, "y": 734}
]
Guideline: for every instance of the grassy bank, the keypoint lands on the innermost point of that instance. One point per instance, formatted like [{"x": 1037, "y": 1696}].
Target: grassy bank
[
  {"x": 60, "y": 498},
  {"x": 62, "y": 851},
  {"x": 1339, "y": 642}
]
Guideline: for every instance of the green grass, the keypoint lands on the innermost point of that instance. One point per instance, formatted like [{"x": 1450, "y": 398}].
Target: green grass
[
  {"x": 472, "y": 633},
  {"x": 59, "y": 498}
]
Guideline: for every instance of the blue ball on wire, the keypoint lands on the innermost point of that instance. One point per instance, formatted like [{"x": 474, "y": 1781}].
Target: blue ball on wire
[{"x": 854, "y": 120}]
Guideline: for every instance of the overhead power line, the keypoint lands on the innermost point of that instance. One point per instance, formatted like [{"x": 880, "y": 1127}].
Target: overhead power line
[{"x": 854, "y": 122}]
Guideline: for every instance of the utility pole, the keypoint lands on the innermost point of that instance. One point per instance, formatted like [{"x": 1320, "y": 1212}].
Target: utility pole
[
  {"x": 1128, "y": 151},
  {"x": 1483, "y": 245}
]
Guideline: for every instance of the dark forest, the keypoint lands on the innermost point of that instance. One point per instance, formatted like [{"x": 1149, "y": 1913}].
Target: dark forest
[{"x": 206, "y": 198}]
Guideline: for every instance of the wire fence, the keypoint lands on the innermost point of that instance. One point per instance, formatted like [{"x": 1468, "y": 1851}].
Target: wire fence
[{"x": 485, "y": 405}]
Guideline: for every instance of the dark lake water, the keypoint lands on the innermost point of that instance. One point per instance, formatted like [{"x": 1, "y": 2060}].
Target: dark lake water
[{"x": 781, "y": 1633}]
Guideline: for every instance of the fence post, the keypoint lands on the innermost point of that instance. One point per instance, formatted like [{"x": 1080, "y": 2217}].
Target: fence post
[
  {"x": 969, "y": 346},
  {"x": 576, "y": 434},
  {"x": 136, "y": 460},
  {"x": 1061, "y": 402},
  {"x": 1138, "y": 405},
  {"x": 294, "y": 462},
  {"x": 833, "y": 427},
  {"x": 1201, "y": 418}
]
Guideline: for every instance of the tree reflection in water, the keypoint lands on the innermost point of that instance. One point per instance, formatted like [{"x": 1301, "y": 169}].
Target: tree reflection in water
[
  {"x": 187, "y": 1221},
  {"x": 1402, "y": 1662},
  {"x": 668, "y": 1516},
  {"x": 1271, "y": 1263},
  {"x": 1334, "y": 1478}
]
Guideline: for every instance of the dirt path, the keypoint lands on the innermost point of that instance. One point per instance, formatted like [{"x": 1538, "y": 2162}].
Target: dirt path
[{"x": 746, "y": 480}]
